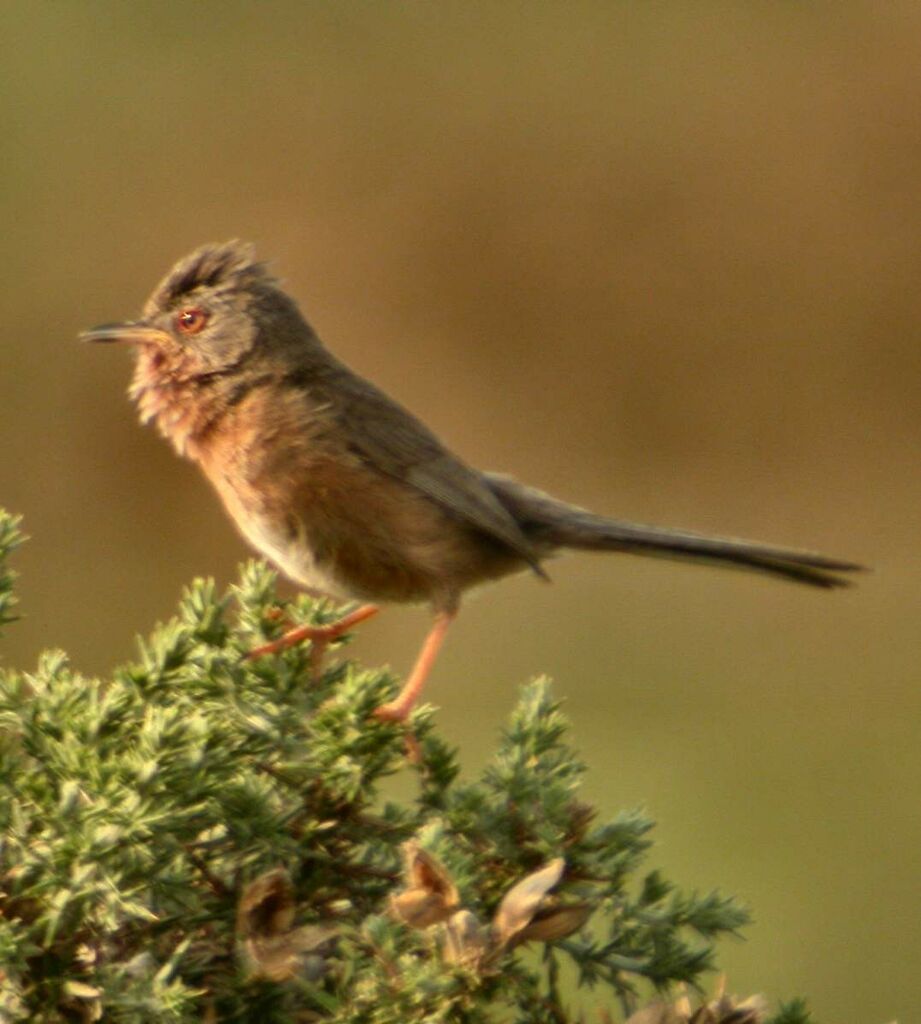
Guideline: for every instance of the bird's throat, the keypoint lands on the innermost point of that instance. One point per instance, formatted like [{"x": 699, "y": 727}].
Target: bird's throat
[{"x": 171, "y": 392}]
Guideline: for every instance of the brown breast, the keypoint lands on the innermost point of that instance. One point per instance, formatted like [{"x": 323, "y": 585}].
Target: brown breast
[{"x": 329, "y": 519}]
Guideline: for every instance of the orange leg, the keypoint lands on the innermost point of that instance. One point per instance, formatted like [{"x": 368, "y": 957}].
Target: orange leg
[
  {"x": 319, "y": 636},
  {"x": 398, "y": 710}
]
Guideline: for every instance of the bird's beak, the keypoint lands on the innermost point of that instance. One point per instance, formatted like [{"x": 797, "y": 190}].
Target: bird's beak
[{"x": 132, "y": 333}]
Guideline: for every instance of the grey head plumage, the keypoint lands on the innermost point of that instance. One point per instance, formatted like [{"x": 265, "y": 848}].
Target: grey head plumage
[{"x": 222, "y": 269}]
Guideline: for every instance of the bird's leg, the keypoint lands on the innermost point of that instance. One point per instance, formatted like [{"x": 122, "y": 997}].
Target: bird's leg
[
  {"x": 397, "y": 710},
  {"x": 319, "y": 636}
]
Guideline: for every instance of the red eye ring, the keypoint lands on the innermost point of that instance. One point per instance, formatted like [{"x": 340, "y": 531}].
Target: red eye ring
[{"x": 191, "y": 321}]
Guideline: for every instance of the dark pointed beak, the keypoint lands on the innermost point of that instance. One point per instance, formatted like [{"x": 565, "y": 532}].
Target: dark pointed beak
[{"x": 132, "y": 333}]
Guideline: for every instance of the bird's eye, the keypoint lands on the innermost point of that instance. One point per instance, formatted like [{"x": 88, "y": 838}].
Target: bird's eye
[{"x": 191, "y": 321}]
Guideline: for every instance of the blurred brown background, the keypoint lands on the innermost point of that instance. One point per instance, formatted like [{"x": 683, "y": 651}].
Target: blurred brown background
[{"x": 660, "y": 259}]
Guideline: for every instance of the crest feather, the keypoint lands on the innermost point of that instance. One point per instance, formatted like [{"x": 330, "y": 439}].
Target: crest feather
[{"x": 232, "y": 265}]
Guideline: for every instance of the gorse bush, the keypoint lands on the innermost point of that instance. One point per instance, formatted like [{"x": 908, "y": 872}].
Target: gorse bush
[{"x": 202, "y": 838}]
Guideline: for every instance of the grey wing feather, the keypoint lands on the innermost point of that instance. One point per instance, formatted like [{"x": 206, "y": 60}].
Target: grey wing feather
[{"x": 396, "y": 443}]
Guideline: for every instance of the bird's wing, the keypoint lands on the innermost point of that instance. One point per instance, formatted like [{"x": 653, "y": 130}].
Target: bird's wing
[{"x": 390, "y": 438}]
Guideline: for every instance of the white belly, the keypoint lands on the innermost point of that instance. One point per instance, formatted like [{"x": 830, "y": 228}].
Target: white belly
[{"x": 293, "y": 556}]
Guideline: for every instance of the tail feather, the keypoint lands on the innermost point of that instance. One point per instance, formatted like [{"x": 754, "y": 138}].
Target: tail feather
[{"x": 553, "y": 524}]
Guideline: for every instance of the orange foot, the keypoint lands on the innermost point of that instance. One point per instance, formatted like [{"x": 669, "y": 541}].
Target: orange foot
[
  {"x": 398, "y": 710},
  {"x": 320, "y": 637}
]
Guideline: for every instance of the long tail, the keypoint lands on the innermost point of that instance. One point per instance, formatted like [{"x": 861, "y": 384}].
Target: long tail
[{"x": 553, "y": 524}]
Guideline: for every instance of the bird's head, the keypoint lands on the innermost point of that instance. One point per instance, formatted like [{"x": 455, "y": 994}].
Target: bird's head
[
  {"x": 214, "y": 311},
  {"x": 217, "y": 322}
]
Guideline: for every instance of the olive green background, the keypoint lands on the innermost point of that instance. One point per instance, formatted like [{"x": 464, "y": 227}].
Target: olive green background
[{"x": 658, "y": 258}]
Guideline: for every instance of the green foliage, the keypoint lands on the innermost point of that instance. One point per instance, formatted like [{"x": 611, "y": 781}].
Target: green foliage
[
  {"x": 10, "y": 539},
  {"x": 794, "y": 1012},
  {"x": 203, "y": 837}
]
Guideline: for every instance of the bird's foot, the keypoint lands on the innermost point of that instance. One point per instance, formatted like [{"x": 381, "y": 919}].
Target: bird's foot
[
  {"x": 397, "y": 712},
  {"x": 393, "y": 711},
  {"x": 320, "y": 637},
  {"x": 398, "y": 709}
]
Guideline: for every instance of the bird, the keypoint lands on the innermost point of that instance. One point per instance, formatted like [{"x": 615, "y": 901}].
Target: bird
[{"x": 339, "y": 486}]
